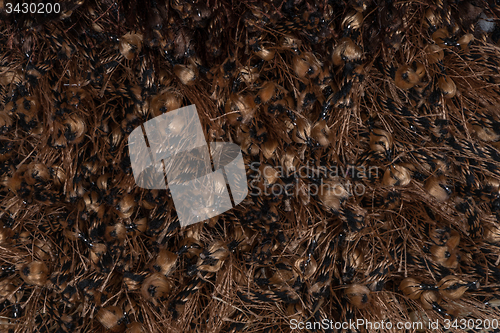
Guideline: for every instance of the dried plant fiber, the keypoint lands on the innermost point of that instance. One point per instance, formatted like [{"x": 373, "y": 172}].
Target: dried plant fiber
[{"x": 370, "y": 132}]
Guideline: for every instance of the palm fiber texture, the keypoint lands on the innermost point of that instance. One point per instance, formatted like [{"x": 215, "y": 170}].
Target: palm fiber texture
[{"x": 370, "y": 132}]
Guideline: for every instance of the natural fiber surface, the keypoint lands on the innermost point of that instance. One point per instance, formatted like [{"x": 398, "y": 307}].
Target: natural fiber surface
[{"x": 370, "y": 132}]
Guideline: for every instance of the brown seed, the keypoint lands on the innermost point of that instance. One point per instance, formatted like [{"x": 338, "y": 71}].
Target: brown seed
[
  {"x": 5, "y": 234},
  {"x": 42, "y": 250},
  {"x": 306, "y": 266},
  {"x": 352, "y": 21},
  {"x": 435, "y": 53},
  {"x": 248, "y": 75},
  {"x": 139, "y": 226},
  {"x": 269, "y": 147},
  {"x": 332, "y": 194},
  {"x": 420, "y": 70},
  {"x": 282, "y": 276},
  {"x": 436, "y": 186},
  {"x": 289, "y": 42},
  {"x": 36, "y": 173},
  {"x": 452, "y": 287},
  {"x": 133, "y": 282},
  {"x": 440, "y": 36},
  {"x": 240, "y": 108},
  {"x": 27, "y": 107},
  {"x": 58, "y": 175},
  {"x": 454, "y": 240},
  {"x": 126, "y": 206},
  {"x": 346, "y": 50},
  {"x": 194, "y": 247},
  {"x": 295, "y": 311},
  {"x": 491, "y": 233},
  {"x": 381, "y": 141},
  {"x": 115, "y": 137},
  {"x": 302, "y": 131},
  {"x": 75, "y": 128},
  {"x": 110, "y": 317},
  {"x": 97, "y": 251},
  {"x": 248, "y": 146},
  {"x": 321, "y": 133},
  {"x": 267, "y": 91},
  {"x": 8, "y": 286},
  {"x": 429, "y": 298},
  {"x": 406, "y": 77},
  {"x": 465, "y": 40},
  {"x": 356, "y": 258},
  {"x": 5, "y": 121},
  {"x": 411, "y": 288},
  {"x": 165, "y": 102},
  {"x": 35, "y": 273},
  {"x": 485, "y": 133},
  {"x": 155, "y": 287},
  {"x": 444, "y": 256},
  {"x": 212, "y": 267},
  {"x": 186, "y": 74},
  {"x": 218, "y": 250},
  {"x": 270, "y": 174},
  {"x": 165, "y": 261},
  {"x": 8, "y": 76},
  {"x": 431, "y": 19},
  {"x": 130, "y": 45},
  {"x": 266, "y": 54},
  {"x": 301, "y": 66},
  {"x": 447, "y": 86},
  {"x": 358, "y": 295},
  {"x": 135, "y": 327},
  {"x": 91, "y": 201},
  {"x": 396, "y": 175},
  {"x": 115, "y": 232}
]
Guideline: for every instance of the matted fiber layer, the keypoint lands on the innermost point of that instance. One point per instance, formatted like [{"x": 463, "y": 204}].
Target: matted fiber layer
[{"x": 370, "y": 131}]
